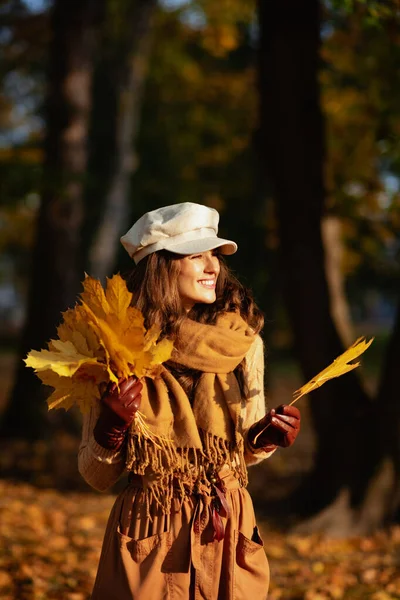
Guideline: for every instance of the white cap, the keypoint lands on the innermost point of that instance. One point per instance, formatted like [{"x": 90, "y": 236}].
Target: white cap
[{"x": 185, "y": 228}]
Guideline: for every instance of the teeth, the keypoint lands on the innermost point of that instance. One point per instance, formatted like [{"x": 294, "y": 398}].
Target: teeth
[{"x": 207, "y": 282}]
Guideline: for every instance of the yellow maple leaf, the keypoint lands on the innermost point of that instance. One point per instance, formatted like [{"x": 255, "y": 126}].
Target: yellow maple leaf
[
  {"x": 119, "y": 355},
  {"x": 75, "y": 320},
  {"x": 80, "y": 343},
  {"x": 94, "y": 297},
  {"x": 142, "y": 364},
  {"x": 338, "y": 367},
  {"x": 161, "y": 352},
  {"x": 134, "y": 339},
  {"x": 118, "y": 297},
  {"x": 65, "y": 362},
  {"x": 151, "y": 337},
  {"x": 81, "y": 389}
]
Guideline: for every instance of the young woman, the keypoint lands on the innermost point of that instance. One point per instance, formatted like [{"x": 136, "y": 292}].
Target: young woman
[{"x": 184, "y": 527}]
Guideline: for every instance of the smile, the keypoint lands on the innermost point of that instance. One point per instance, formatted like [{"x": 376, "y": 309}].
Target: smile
[{"x": 208, "y": 283}]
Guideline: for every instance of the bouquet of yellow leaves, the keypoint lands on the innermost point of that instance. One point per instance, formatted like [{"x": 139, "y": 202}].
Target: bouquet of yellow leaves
[{"x": 102, "y": 339}]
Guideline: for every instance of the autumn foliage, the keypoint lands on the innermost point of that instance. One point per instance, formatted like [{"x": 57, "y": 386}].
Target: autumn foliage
[{"x": 102, "y": 339}]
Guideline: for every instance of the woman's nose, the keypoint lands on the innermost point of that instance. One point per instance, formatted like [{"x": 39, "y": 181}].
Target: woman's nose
[{"x": 212, "y": 264}]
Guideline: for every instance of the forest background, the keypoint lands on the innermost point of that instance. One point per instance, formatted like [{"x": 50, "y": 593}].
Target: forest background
[{"x": 285, "y": 116}]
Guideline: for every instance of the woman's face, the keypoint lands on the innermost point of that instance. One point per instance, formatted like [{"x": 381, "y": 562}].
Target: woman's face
[{"x": 197, "y": 278}]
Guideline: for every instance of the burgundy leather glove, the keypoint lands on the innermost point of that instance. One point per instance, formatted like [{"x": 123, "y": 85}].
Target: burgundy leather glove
[
  {"x": 117, "y": 412},
  {"x": 283, "y": 426}
]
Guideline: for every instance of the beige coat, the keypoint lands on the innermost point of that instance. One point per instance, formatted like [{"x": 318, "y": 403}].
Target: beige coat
[{"x": 174, "y": 556}]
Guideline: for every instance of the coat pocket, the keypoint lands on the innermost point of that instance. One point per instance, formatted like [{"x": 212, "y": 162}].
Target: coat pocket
[
  {"x": 156, "y": 545},
  {"x": 140, "y": 566},
  {"x": 251, "y": 568}
]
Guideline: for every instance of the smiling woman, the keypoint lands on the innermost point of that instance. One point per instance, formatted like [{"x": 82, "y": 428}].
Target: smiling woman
[
  {"x": 184, "y": 526},
  {"x": 197, "y": 279}
]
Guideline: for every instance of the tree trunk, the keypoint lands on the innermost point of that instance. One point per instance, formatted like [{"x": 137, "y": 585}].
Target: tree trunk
[
  {"x": 292, "y": 138},
  {"x": 333, "y": 248},
  {"x": 388, "y": 417},
  {"x": 128, "y": 69},
  {"x": 56, "y": 263},
  {"x": 377, "y": 499}
]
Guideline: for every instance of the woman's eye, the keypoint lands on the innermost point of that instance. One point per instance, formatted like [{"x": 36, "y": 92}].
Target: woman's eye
[{"x": 195, "y": 256}]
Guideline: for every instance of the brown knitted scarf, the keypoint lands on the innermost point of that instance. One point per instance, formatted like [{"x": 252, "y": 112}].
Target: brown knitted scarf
[{"x": 188, "y": 442}]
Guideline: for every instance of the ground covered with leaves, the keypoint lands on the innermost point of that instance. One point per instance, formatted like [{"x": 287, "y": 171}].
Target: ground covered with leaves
[{"x": 50, "y": 544}]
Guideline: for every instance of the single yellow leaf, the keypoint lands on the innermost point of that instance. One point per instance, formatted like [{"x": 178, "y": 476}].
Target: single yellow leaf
[
  {"x": 49, "y": 377},
  {"x": 94, "y": 297},
  {"x": 134, "y": 339},
  {"x": 141, "y": 364},
  {"x": 96, "y": 372},
  {"x": 81, "y": 389},
  {"x": 340, "y": 366},
  {"x": 147, "y": 362},
  {"x": 161, "y": 352},
  {"x": 93, "y": 335},
  {"x": 67, "y": 348},
  {"x": 81, "y": 344},
  {"x": 151, "y": 337},
  {"x": 118, "y": 297},
  {"x": 66, "y": 328},
  {"x": 70, "y": 391},
  {"x": 134, "y": 321},
  {"x": 119, "y": 355},
  {"x": 75, "y": 319},
  {"x": 62, "y": 364}
]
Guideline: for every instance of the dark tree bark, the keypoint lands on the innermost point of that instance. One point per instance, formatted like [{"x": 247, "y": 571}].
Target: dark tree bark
[
  {"x": 126, "y": 67},
  {"x": 292, "y": 148},
  {"x": 56, "y": 261},
  {"x": 388, "y": 418}
]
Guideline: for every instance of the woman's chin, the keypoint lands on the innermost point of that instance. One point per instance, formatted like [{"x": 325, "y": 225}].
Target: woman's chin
[
  {"x": 207, "y": 299},
  {"x": 204, "y": 301}
]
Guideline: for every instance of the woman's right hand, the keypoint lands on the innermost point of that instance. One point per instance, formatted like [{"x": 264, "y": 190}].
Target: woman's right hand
[
  {"x": 125, "y": 402},
  {"x": 118, "y": 408}
]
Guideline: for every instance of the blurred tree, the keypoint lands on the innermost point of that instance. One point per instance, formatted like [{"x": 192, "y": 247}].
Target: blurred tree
[
  {"x": 353, "y": 435},
  {"x": 56, "y": 256},
  {"x": 196, "y": 135},
  {"x": 23, "y": 47},
  {"x": 127, "y": 48},
  {"x": 361, "y": 101},
  {"x": 334, "y": 248}
]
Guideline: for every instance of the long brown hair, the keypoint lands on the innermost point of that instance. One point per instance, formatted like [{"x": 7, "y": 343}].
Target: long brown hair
[{"x": 153, "y": 283}]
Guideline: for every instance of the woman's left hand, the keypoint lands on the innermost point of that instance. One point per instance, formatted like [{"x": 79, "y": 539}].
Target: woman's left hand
[{"x": 282, "y": 427}]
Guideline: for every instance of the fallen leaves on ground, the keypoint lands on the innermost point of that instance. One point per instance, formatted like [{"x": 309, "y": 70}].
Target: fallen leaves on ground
[
  {"x": 49, "y": 542},
  {"x": 50, "y": 545},
  {"x": 318, "y": 568}
]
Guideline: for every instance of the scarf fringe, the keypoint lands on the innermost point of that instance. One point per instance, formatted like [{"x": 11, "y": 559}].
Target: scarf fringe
[{"x": 170, "y": 472}]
